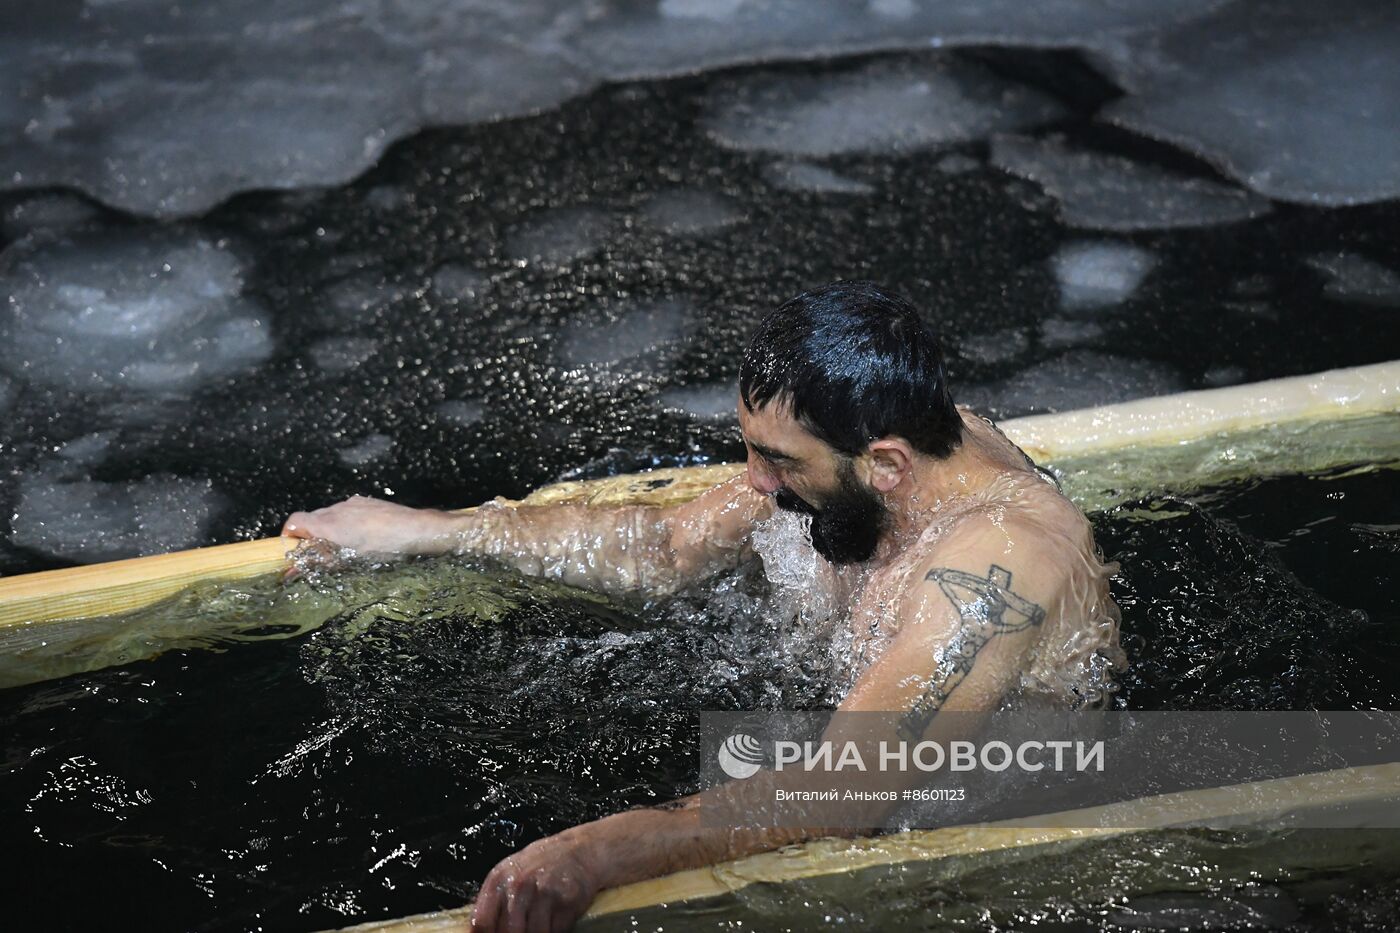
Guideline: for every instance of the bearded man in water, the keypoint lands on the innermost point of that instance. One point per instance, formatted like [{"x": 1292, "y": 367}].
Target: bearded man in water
[{"x": 847, "y": 418}]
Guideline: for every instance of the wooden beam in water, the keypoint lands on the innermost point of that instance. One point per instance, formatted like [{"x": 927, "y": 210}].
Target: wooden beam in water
[
  {"x": 1237, "y": 805},
  {"x": 122, "y": 586}
]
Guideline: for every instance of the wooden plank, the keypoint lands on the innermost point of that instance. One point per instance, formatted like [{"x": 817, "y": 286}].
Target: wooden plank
[
  {"x": 1234, "y": 805},
  {"x": 121, "y": 586}
]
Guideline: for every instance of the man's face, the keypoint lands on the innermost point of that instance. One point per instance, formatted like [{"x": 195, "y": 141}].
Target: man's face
[{"x": 804, "y": 474}]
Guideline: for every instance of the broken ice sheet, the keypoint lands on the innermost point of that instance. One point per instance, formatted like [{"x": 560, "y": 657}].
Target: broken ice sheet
[
  {"x": 645, "y": 328},
  {"x": 368, "y": 450},
  {"x": 791, "y": 175},
  {"x": 90, "y": 521},
  {"x": 997, "y": 347},
  {"x": 884, "y": 106},
  {"x": 689, "y": 212},
  {"x": 713, "y": 401},
  {"x": 340, "y": 354},
  {"x": 559, "y": 236},
  {"x": 1352, "y": 277},
  {"x": 461, "y": 412},
  {"x": 1099, "y": 274},
  {"x": 1099, "y": 191},
  {"x": 1077, "y": 379},
  {"x": 457, "y": 282},
  {"x": 148, "y": 310},
  {"x": 52, "y": 213},
  {"x": 1296, "y": 100}
]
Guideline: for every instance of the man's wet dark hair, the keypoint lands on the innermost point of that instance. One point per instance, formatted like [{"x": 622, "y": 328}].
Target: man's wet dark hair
[{"x": 856, "y": 363}]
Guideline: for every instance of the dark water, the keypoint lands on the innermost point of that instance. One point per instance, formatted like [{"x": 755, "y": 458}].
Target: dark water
[
  {"x": 373, "y": 771},
  {"x": 518, "y": 338}
]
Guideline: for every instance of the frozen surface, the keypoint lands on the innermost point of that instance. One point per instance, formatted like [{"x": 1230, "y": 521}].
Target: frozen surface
[
  {"x": 640, "y": 39},
  {"x": 1078, "y": 379},
  {"x": 373, "y": 448},
  {"x": 1296, "y": 100},
  {"x": 167, "y": 109},
  {"x": 88, "y": 450},
  {"x": 559, "y": 236},
  {"x": 700, "y": 9},
  {"x": 338, "y": 354},
  {"x": 89, "y": 521},
  {"x": 148, "y": 311},
  {"x": 713, "y": 401},
  {"x": 356, "y": 299},
  {"x": 1099, "y": 274},
  {"x": 805, "y": 176},
  {"x": 885, "y": 106},
  {"x": 647, "y": 330},
  {"x": 47, "y": 212},
  {"x": 1098, "y": 191},
  {"x": 1355, "y": 278},
  {"x": 1057, "y": 332},
  {"x": 689, "y": 212},
  {"x": 997, "y": 347},
  {"x": 462, "y": 412},
  {"x": 456, "y": 282}
]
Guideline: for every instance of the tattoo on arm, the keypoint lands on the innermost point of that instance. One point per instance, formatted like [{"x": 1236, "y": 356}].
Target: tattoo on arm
[{"x": 987, "y": 607}]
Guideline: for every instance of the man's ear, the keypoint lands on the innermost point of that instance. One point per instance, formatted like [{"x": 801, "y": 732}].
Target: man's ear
[{"x": 888, "y": 460}]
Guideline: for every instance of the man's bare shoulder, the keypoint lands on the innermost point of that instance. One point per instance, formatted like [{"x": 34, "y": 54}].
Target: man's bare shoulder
[{"x": 991, "y": 556}]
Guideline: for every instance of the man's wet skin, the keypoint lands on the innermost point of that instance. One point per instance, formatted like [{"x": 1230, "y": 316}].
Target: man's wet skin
[{"x": 968, "y": 581}]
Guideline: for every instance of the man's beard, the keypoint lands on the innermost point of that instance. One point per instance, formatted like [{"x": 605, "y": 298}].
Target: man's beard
[{"x": 847, "y": 528}]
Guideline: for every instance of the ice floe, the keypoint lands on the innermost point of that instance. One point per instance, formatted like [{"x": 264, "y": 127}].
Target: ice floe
[
  {"x": 713, "y": 401},
  {"x": 884, "y": 106},
  {"x": 1352, "y": 277},
  {"x": 559, "y": 236},
  {"x": 700, "y": 9},
  {"x": 47, "y": 212},
  {"x": 1058, "y": 332},
  {"x": 645, "y": 329},
  {"x": 339, "y": 354},
  {"x": 1296, "y": 100},
  {"x": 995, "y": 347},
  {"x": 1077, "y": 379},
  {"x": 689, "y": 212},
  {"x": 461, "y": 412},
  {"x": 1291, "y": 98},
  {"x": 1099, "y": 274},
  {"x": 793, "y": 175},
  {"x": 356, "y": 300},
  {"x": 88, "y": 521},
  {"x": 1099, "y": 191},
  {"x": 88, "y": 450},
  {"x": 636, "y": 40},
  {"x": 367, "y": 451},
  {"x": 457, "y": 282},
  {"x": 148, "y": 310}
]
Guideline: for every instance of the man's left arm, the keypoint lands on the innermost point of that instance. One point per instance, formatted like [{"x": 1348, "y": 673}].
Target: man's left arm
[{"x": 965, "y": 622}]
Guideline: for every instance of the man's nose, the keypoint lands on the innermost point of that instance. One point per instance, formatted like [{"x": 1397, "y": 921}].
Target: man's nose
[{"x": 761, "y": 478}]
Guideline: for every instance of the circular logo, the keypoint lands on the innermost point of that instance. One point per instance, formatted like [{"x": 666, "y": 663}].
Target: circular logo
[{"x": 740, "y": 756}]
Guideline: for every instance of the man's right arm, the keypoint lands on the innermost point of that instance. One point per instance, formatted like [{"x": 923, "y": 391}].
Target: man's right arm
[{"x": 617, "y": 550}]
